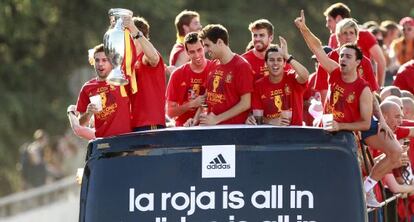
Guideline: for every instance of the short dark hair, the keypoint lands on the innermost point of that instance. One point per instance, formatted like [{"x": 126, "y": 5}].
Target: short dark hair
[
  {"x": 142, "y": 25},
  {"x": 191, "y": 38},
  {"x": 272, "y": 48},
  {"x": 358, "y": 52},
  {"x": 336, "y": 9},
  {"x": 184, "y": 18},
  {"x": 213, "y": 32},
  {"x": 262, "y": 24}
]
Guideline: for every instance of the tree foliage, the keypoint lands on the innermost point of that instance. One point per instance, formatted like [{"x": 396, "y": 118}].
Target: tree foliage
[{"x": 43, "y": 42}]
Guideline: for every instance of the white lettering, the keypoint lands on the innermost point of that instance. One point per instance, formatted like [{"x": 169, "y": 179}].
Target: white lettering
[
  {"x": 211, "y": 200},
  {"x": 236, "y": 200},
  {"x": 265, "y": 195},
  {"x": 184, "y": 205},
  {"x": 131, "y": 199},
  {"x": 308, "y": 194},
  {"x": 164, "y": 199},
  {"x": 292, "y": 197},
  {"x": 225, "y": 197},
  {"x": 148, "y": 197}
]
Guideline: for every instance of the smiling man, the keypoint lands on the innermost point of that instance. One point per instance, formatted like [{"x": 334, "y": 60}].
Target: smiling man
[
  {"x": 281, "y": 90},
  {"x": 262, "y": 36},
  {"x": 185, "y": 22},
  {"x": 230, "y": 84},
  {"x": 185, "y": 91}
]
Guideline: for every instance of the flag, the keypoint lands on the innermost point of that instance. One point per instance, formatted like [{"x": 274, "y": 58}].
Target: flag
[{"x": 128, "y": 65}]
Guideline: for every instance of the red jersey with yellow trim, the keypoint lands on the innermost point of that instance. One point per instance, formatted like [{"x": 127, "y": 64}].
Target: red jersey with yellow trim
[
  {"x": 148, "y": 104},
  {"x": 259, "y": 67},
  {"x": 364, "y": 71},
  {"x": 184, "y": 85},
  {"x": 114, "y": 118},
  {"x": 225, "y": 86},
  {"x": 272, "y": 98},
  {"x": 343, "y": 98}
]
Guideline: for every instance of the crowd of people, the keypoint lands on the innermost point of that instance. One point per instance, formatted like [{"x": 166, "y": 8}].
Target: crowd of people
[
  {"x": 266, "y": 85},
  {"x": 45, "y": 159}
]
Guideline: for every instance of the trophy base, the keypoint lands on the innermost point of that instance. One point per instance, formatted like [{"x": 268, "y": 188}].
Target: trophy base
[{"x": 116, "y": 78}]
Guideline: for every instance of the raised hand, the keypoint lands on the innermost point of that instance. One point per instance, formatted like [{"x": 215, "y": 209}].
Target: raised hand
[
  {"x": 128, "y": 23},
  {"x": 300, "y": 21},
  {"x": 283, "y": 47}
]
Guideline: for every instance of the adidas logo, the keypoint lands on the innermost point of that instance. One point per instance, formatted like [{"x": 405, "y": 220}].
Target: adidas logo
[{"x": 218, "y": 163}]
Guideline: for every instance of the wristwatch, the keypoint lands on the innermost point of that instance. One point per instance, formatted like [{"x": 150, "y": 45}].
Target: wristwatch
[
  {"x": 138, "y": 35},
  {"x": 290, "y": 59}
]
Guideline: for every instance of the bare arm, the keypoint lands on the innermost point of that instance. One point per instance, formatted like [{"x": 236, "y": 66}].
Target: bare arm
[
  {"x": 86, "y": 116},
  {"x": 241, "y": 106},
  {"x": 181, "y": 59},
  {"x": 365, "y": 104},
  {"x": 151, "y": 56},
  {"x": 315, "y": 45},
  {"x": 81, "y": 131},
  {"x": 379, "y": 58},
  {"x": 174, "y": 109},
  {"x": 376, "y": 111},
  {"x": 395, "y": 187},
  {"x": 302, "y": 73}
]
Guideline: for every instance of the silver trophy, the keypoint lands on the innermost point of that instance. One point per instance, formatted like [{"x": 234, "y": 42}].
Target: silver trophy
[{"x": 114, "y": 44}]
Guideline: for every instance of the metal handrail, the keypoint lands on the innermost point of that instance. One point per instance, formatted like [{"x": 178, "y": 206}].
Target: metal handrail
[
  {"x": 385, "y": 202},
  {"x": 36, "y": 197}
]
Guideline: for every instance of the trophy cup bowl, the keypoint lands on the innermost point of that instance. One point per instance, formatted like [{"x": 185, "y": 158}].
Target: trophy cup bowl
[{"x": 114, "y": 45}]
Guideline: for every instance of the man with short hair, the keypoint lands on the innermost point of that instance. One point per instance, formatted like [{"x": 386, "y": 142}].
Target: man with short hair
[
  {"x": 262, "y": 36},
  {"x": 114, "y": 116},
  {"x": 406, "y": 93},
  {"x": 186, "y": 88},
  {"x": 230, "y": 84},
  {"x": 347, "y": 31},
  {"x": 185, "y": 22},
  {"x": 390, "y": 91},
  {"x": 281, "y": 90},
  {"x": 366, "y": 41},
  {"x": 350, "y": 102},
  {"x": 148, "y": 103}
]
